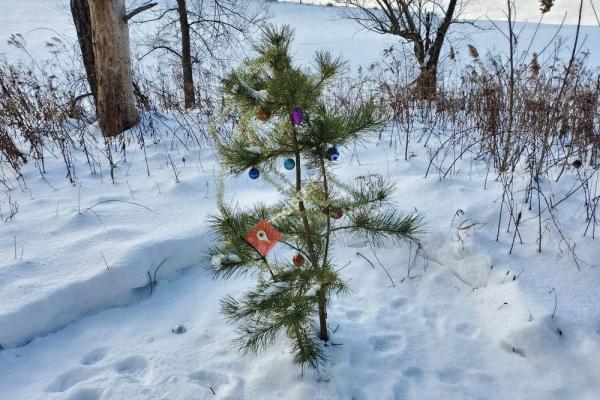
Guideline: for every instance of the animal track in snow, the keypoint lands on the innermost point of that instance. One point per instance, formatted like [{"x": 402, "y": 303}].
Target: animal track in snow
[
  {"x": 86, "y": 394},
  {"x": 385, "y": 343},
  {"x": 467, "y": 330},
  {"x": 450, "y": 375},
  {"x": 94, "y": 356},
  {"x": 131, "y": 366},
  {"x": 435, "y": 322},
  {"x": 209, "y": 379},
  {"x": 69, "y": 379},
  {"x": 413, "y": 372},
  {"x": 354, "y": 315},
  {"x": 402, "y": 304},
  {"x": 512, "y": 349}
]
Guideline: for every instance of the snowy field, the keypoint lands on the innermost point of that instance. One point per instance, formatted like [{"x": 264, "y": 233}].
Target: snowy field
[{"x": 79, "y": 319}]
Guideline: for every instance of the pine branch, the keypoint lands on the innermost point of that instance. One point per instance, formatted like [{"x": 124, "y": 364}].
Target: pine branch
[{"x": 377, "y": 226}]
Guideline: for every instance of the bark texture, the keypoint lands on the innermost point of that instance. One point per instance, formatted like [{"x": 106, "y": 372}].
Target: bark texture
[
  {"x": 116, "y": 103},
  {"x": 80, "y": 10},
  {"x": 186, "y": 55}
]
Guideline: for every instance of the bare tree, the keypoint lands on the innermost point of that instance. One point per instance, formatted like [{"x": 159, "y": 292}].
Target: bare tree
[
  {"x": 115, "y": 105},
  {"x": 206, "y": 30},
  {"x": 423, "y": 23},
  {"x": 80, "y": 10},
  {"x": 186, "y": 55}
]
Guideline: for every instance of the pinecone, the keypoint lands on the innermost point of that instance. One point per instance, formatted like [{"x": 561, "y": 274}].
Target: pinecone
[
  {"x": 262, "y": 114},
  {"x": 546, "y": 5}
]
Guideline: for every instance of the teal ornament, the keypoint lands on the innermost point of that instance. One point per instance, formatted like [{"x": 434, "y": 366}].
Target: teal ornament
[
  {"x": 253, "y": 173},
  {"x": 289, "y": 164}
]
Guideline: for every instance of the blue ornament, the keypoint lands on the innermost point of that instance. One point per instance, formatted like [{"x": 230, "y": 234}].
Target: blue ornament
[
  {"x": 253, "y": 173},
  {"x": 289, "y": 164},
  {"x": 333, "y": 153}
]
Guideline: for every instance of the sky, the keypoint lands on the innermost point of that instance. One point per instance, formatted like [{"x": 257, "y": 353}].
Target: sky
[{"x": 527, "y": 10}]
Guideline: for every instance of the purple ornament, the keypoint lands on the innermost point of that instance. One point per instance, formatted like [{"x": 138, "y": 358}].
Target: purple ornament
[{"x": 297, "y": 116}]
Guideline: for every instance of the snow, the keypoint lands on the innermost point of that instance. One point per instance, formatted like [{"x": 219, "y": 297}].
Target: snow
[
  {"x": 273, "y": 289},
  {"x": 102, "y": 273},
  {"x": 220, "y": 259},
  {"x": 313, "y": 290}
]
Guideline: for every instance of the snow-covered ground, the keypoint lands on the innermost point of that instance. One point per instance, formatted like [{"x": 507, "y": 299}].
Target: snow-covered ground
[{"x": 78, "y": 321}]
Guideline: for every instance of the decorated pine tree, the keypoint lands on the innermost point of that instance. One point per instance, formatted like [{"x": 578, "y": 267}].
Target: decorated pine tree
[{"x": 289, "y": 135}]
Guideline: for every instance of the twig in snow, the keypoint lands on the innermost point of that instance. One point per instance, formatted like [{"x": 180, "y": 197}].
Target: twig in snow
[
  {"x": 460, "y": 278},
  {"x": 507, "y": 272},
  {"x": 152, "y": 278},
  {"x": 555, "y": 301},
  {"x": 116, "y": 201},
  {"x": 489, "y": 275},
  {"x": 150, "y": 282},
  {"x": 516, "y": 231},
  {"x": 130, "y": 191},
  {"x": 381, "y": 264},
  {"x": 105, "y": 263},
  {"x": 336, "y": 328},
  {"x": 358, "y": 253},
  {"x": 157, "y": 268}
]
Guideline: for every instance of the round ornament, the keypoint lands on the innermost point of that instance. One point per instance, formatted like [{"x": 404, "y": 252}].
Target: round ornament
[
  {"x": 298, "y": 260},
  {"x": 179, "y": 329},
  {"x": 253, "y": 173},
  {"x": 289, "y": 164},
  {"x": 336, "y": 212},
  {"x": 333, "y": 153}
]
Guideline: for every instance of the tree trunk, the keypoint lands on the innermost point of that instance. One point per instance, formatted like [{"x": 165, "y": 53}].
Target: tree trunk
[
  {"x": 80, "y": 10},
  {"x": 427, "y": 79},
  {"x": 186, "y": 55},
  {"x": 323, "y": 334},
  {"x": 116, "y": 103},
  {"x": 426, "y": 83}
]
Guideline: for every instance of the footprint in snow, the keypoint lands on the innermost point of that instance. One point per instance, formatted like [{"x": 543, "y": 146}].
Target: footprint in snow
[
  {"x": 387, "y": 343},
  {"x": 450, "y": 376},
  {"x": 435, "y": 321},
  {"x": 131, "y": 366},
  {"x": 209, "y": 379},
  {"x": 402, "y": 305},
  {"x": 512, "y": 349},
  {"x": 94, "y": 356},
  {"x": 413, "y": 373},
  {"x": 354, "y": 315},
  {"x": 69, "y": 379},
  {"x": 467, "y": 330},
  {"x": 86, "y": 394}
]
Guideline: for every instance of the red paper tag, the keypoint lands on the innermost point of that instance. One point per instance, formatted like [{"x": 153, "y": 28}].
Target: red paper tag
[{"x": 263, "y": 237}]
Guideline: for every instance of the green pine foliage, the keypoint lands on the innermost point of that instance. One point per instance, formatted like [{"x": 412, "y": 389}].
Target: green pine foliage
[{"x": 316, "y": 208}]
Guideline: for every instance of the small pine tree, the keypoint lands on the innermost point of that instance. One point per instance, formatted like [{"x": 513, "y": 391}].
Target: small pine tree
[{"x": 272, "y": 97}]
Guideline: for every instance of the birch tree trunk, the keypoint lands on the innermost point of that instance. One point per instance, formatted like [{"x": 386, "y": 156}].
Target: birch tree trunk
[{"x": 116, "y": 109}]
